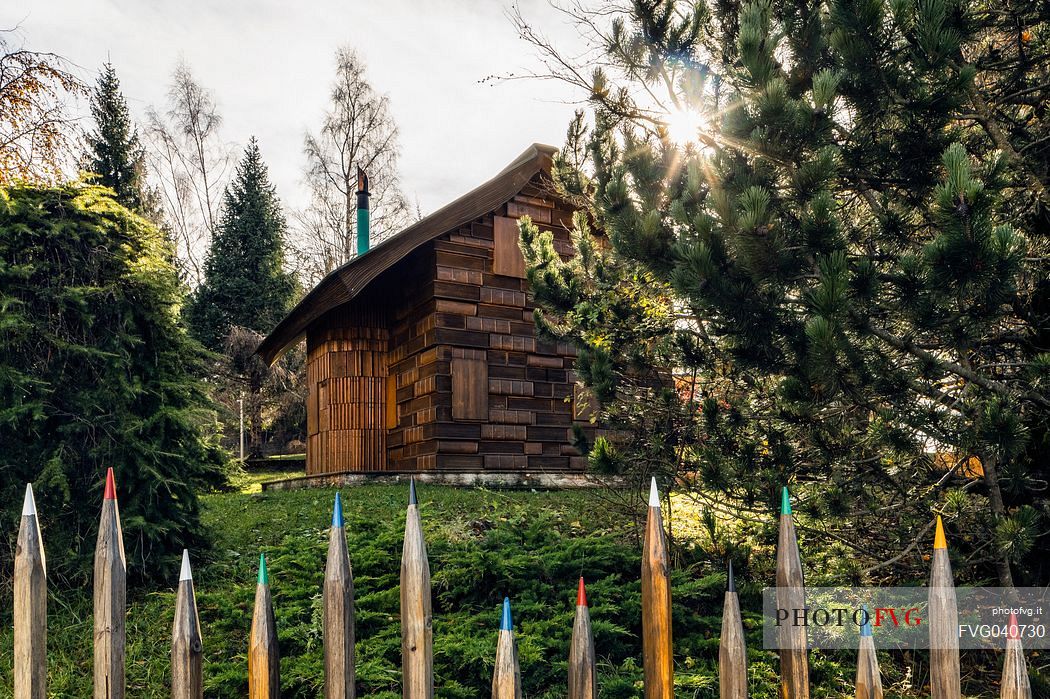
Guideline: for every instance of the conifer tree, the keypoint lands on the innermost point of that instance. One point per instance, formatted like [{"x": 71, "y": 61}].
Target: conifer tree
[
  {"x": 245, "y": 282},
  {"x": 97, "y": 371},
  {"x": 837, "y": 276},
  {"x": 114, "y": 152}
]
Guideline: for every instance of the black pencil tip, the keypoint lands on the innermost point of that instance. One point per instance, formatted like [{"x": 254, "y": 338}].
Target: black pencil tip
[
  {"x": 730, "y": 581},
  {"x": 412, "y": 491}
]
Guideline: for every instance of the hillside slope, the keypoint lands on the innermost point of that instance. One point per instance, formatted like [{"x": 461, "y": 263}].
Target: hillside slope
[{"x": 531, "y": 546}]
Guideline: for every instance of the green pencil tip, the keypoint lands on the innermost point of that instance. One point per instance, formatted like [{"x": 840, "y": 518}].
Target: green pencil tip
[
  {"x": 264, "y": 577},
  {"x": 785, "y": 502}
]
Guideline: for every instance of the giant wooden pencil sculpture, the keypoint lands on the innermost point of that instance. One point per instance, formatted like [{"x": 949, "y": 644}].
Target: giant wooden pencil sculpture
[
  {"x": 30, "y": 610},
  {"x": 1015, "y": 684},
  {"x": 944, "y": 623},
  {"x": 264, "y": 657},
  {"x": 656, "y": 605},
  {"x": 582, "y": 675},
  {"x": 869, "y": 681},
  {"x": 187, "y": 677},
  {"x": 506, "y": 676},
  {"x": 791, "y": 595},
  {"x": 338, "y": 613},
  {"x": 732, "y": 654},
  {"x": 417, "y": 634},
  {"x": 111, "y": 575}
]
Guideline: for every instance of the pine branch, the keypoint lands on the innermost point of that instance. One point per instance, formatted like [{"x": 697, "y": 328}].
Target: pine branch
[
  {"x": 911, "y": 348},
  {"x": 984, "y": 117}
]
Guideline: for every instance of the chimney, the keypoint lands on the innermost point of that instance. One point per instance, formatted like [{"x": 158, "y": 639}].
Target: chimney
[{"x": 362, "y": 212}]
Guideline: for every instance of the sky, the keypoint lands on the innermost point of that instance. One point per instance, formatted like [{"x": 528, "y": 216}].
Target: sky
[{"x": 270, "y": 66}]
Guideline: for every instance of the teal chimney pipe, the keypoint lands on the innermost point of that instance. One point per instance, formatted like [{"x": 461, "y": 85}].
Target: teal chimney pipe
[{"x": 362, "y": 212}]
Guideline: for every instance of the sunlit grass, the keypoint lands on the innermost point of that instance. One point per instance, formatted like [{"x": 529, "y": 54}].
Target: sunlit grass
[{"x": 250, "y": 480}]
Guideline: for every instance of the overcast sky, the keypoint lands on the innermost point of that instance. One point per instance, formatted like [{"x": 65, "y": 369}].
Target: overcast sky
[{"x": 270, "y": 65}]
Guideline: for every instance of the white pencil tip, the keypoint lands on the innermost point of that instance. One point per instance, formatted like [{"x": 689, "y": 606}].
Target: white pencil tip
[
  {"x": 29, "y": 508},
  {"x": 186, "y": 574},
  {"x": 654, "y": 494}
]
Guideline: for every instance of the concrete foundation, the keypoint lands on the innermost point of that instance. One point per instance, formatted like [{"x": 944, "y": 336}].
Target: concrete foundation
[{"x": 523, "y": 480}]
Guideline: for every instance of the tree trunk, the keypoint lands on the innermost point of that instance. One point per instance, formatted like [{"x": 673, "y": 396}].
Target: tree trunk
[{"x": 995, "y": 497}]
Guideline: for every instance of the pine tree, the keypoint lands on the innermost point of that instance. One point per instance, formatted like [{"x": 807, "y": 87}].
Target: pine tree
[
  {"x": 245, "y": 282},
  {"x": 114, "y": 152},
  {"x": 838, "y": 277},
  {"x": 97, "y": 370}
]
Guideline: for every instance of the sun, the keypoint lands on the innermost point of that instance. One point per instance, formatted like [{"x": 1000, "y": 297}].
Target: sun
[{"x": 683, "y": 125}]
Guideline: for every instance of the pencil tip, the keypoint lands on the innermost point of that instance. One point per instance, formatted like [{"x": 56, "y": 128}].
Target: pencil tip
[
  {"x": 654, "y": 494},
  {"x": 1014, "y": 632},
  {"x": 29, "y": 506},
  {"x": 186, "y": 573},
  {"x": 412, "y": 492},
  {"x": 865, "y": 628},
  {"x": 730, "y": 580},
  {"x": 581, "y": 594},
  {"x": 337, "y": 512},
  {"x": 785, "y": 502},
  {"x": 111, "y": 486},
  {"x": 264, "y": 575},
  {"x": 939, "y": 542},
  {"x": 505, "y": 623}
]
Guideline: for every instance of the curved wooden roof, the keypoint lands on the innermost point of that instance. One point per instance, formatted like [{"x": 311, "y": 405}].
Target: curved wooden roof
[{"x": 349, "y": 280}]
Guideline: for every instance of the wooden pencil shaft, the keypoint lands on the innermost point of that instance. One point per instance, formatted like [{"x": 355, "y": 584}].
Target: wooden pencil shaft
[
  {"x": 583, "y": 683},
  {"x": 339, "y": 635},
  {"x": 417, "y": 634},
  {"x": 30, "y": 613},
  {"x": 506, "y": 675},
  {"x": 110, "y": 605},
  {"x": 264, "y": 657},
  {"x": 869, "y": 680},
  {"x": 944, "y": 624},
  {"x": 187, "y": 650},
  {"x": 791, "y": 594},
  {"x": 732, "y": 653},
  {"x": 656, "y": 611},
  {"x": 1015, "y": 682}
]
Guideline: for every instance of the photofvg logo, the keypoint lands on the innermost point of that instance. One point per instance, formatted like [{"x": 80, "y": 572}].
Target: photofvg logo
[
  {"x": 902, "y": 617},
  {"x": 843, "y": 616}
]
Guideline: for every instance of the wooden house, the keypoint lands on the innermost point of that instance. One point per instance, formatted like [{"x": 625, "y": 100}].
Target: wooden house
[{"x": 422, "y": 353}]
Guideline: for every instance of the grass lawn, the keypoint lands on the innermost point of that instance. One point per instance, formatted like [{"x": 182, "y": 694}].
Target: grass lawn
[
  {"x": 483, "y": 545},
  {"x": 251, "y": 480}
]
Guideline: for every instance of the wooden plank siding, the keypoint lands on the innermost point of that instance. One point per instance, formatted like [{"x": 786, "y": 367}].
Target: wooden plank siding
[
  {"x": 437, "y": 364},
  {"x": 346, "y": 374}
]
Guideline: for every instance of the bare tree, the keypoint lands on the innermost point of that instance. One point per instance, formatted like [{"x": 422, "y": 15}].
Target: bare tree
[
  {"x": 36, "y": 129},
  {"x": 357, "y": 131},
  {"x": 190, "y": 162}
]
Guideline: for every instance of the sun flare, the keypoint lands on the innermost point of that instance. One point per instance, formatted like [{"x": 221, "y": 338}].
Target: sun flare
[{"x": 684, "y": 125}]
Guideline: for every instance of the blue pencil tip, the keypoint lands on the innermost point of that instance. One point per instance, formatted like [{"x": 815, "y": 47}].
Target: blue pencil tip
[
  {"x": 505, "y": 623},
  {"x": 865, "y": 628},
  {"x": 412, "y": 492},
  {"x": 337, "y": 512}
]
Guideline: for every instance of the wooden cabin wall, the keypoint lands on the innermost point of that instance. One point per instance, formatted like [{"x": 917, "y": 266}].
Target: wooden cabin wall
[
  {"x": 415, "y": 373},
  {"x": 476, "y": 389},
  {"x": 346, "y": 370}
]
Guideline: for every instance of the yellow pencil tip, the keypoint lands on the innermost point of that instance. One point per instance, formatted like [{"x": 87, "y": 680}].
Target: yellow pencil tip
[{"x": 939, "y": 542}]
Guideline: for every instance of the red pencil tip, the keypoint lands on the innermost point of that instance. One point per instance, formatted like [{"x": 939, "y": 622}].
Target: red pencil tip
[
  {"x": 581, "y": 595},
  {"x": 111, "y": 487},
  {"x": 1014, "y": 631}
]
